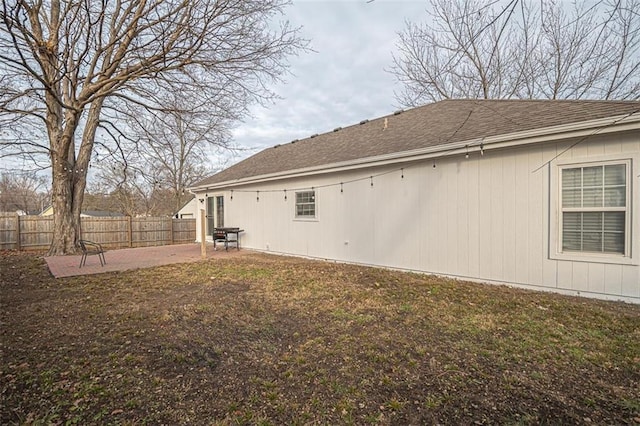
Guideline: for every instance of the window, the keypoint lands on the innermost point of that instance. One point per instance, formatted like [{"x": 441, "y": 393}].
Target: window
[
  {"x": 306, "y": 204},
  {"x": 594, "y": 208}
]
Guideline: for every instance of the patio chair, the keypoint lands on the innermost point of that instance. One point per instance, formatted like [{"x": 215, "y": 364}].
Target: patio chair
[{"x": 88, "y": 248}]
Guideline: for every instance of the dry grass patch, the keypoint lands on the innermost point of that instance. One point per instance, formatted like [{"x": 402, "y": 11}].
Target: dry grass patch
[{"x": 271, "y": 340}]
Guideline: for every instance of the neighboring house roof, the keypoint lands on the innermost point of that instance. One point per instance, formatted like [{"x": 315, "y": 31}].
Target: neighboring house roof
[
  {"x": 100, "y": 213},
  {"x": 85, "y": 213},
  {"x": 437, "y": 124},
  {"x": 18, "y": 212}
]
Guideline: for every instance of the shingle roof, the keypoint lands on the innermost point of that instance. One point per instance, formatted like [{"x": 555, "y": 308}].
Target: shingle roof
[
  {"x": 439, "y": 123},
  {"x": 101, "y": 213}
]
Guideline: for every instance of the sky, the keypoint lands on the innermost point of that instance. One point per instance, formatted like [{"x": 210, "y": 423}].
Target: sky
[{"x": 344, "y": 81}]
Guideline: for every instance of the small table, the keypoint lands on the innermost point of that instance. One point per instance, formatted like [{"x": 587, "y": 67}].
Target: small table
[{"x": 227, "y": 235}]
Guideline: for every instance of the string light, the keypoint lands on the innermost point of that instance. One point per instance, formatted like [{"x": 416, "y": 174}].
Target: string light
[
  {"x": 481, "y": 148},
  {"x": 370, "y": 177},
  {"x": 466, "y": 155},
  {"x": 232, "y": 195}
]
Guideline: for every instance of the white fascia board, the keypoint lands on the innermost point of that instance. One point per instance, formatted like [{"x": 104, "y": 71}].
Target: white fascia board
[{"x": 601, "y": 126}]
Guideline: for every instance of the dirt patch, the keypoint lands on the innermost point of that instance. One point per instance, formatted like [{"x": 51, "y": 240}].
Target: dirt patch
[{"x": 273, "y": 340}]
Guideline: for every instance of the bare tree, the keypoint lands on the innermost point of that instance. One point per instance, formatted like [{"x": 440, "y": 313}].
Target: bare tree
[
  {"x": 64, "y": 63},
  {"x": 175, "y": 145},
  {"x": 170, "y": 149},
  {"x": 123, "y": 188},
  {"x": 521, "y": 49},
  {"x": 27, "y": 192},
  {"x": 99, "y": 201},
  {"x": 130, "y": 185}
]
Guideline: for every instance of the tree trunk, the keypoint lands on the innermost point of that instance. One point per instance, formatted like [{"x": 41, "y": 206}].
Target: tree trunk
[
  {"x": 69, "y": 180},
  {"x": 66, "y": 219}
]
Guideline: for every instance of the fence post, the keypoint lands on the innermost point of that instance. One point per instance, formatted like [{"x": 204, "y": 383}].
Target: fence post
[
  {"x": 18, "y": 232},
  {"x": 171, "y": 229},
  {"x": 129, "y": 231},
  {"x": 203, "y": 246}
]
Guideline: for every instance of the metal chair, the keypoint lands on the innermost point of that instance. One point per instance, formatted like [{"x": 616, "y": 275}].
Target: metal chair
[{"x": 88, "y": 248}]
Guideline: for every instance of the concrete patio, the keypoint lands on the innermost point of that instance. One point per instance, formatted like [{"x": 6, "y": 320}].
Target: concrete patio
[{"x": 133, "y": 258}]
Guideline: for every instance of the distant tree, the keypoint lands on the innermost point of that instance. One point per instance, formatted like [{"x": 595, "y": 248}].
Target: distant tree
[
  {"x": 99, "y": 201},
  {"x": 65, "y": 64},
  {"x": 521, "y": 49},
  {"x": 165, "y": 152},
  {"x": 128, "y": 185},
  {"x": 175, "y": 145},
  {"x": 23, "y": 191}
]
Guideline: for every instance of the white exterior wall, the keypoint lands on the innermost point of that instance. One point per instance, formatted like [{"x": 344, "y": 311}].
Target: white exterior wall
[{"x": 491, "y": 218}]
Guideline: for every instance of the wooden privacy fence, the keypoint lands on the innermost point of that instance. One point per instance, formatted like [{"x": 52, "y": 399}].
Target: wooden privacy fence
[{"x": 36, "y": 232}]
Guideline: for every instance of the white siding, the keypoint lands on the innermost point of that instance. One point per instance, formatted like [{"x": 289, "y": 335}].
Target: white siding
[{"x": 489, "y": 218}]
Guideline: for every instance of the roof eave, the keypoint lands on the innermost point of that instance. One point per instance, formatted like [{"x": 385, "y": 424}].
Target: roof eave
[{"x": 600, "y": 126}]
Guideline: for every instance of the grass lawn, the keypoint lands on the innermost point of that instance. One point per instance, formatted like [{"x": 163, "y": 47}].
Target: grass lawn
[{"x": 261, "y": 339}]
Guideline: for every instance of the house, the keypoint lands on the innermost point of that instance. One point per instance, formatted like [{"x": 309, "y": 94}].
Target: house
[
  {"x": 47, "y": 211},
  {"x": 541, "y": 194},
  {"x": 188, "y": 211}
]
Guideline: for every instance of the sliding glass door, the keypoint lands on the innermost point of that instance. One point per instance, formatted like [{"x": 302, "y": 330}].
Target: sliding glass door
[{"x": 215, "y": 213}]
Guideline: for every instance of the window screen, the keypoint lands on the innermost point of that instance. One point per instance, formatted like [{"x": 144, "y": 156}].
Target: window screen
[{"x": 594, "y": 208}]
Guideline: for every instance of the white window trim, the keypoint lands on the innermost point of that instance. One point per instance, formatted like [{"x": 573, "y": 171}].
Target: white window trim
[
  {"x": 313, "y": 218},
  {"x": 630, "y": 257}
]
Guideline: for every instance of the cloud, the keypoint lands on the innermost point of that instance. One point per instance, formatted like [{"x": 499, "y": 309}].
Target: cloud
[{"x": 344, "y": 81}]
